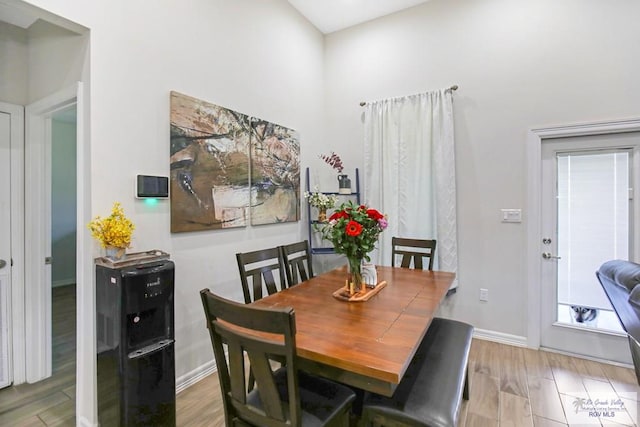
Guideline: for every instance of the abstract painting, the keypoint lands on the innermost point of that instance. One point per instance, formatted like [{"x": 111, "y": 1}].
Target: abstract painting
[
  {"x": 209, "y": 165},
  {"x": 275, "y": 173},
  {"x": 227, "y": 166}
]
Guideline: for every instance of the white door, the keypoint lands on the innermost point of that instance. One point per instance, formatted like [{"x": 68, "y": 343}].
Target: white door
[
  {"x": 5, "y": 248},
  {"x": 587, "y": 218}
]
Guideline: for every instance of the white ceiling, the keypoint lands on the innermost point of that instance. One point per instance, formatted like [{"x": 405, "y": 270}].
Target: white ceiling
[
  {"x": 326, "y": 15},
  {"x": 333, "y": 15}
]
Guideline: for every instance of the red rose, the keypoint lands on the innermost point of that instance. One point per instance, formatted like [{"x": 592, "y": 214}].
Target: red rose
[
  {"x": 374, "y": 214},
  {"x": 337, "y": 215},
  {"x": 353, "y": 228}
]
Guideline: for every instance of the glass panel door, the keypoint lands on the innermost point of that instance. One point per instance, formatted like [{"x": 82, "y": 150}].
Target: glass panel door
[
  {"x": 593, "y": 227},
  {"x": 587, "y": 219}
]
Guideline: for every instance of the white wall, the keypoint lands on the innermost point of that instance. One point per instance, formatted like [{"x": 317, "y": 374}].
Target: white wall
[
  {"x": 518, "y": 65},
  {"x": 13, "y": 64},
  {"x": 56, "y": 58},
  {"x": 37, "y": 62}
]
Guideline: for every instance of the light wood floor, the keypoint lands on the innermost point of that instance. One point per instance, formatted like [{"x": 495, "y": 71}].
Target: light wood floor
[
  {"x": 50, "y": 402},
  {"x": 510, "y": 386}
]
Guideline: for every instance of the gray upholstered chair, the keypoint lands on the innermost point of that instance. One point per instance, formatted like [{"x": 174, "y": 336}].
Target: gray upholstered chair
[{"x": 620, "y": 280}]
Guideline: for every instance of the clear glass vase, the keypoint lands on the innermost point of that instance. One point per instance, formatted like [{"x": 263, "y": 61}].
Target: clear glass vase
[{"x": 355, "y": 273}]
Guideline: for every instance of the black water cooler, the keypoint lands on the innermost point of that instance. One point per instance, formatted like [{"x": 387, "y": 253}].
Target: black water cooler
[{"x": 135, "y": 338}]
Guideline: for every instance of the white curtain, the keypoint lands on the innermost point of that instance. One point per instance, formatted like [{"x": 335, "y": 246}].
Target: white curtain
[{"x": 409, "y": 172}]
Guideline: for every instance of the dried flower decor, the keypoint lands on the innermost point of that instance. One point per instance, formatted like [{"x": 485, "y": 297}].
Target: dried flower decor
[
  {"x": 333, "y": 160},
  {"x": 114, "y": 230}
]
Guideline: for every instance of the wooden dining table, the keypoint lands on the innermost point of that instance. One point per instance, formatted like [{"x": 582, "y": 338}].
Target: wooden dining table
[{"x": 365, "y": 344}]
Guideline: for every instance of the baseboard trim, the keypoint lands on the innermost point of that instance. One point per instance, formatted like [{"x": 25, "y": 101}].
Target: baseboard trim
[
  {"x": 594, "y": 359},
  {"x": 190, "y": 378},
  {"x": 500, "y": 337},
  {"x": 518, "y": 341}
]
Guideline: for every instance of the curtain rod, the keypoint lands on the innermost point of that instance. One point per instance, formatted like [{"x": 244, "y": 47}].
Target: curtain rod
[{"x": 454, "y": 87}]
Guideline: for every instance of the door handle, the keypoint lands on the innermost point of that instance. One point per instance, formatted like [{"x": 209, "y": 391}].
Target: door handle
[
  {"x": 547, "y": 255},
  {"x": 3, "y": 263}
]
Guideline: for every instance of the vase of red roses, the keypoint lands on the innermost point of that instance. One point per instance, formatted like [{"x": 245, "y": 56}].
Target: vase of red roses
[{"x": 354, "y": 231}]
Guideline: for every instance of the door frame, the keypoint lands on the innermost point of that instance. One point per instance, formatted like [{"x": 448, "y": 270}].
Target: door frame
[
  {"x": 16, "y": 291},
  {"x": 37, "y": 275},
  {"x": 533, "y": 267}
]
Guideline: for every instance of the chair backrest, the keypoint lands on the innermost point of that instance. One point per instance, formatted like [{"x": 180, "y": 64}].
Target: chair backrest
[
  {"x": 412, "y": 250},
  {"x": 297, "y": 260},
  {"x": 261, "y": 270},
  {"x": 234, "y": 326}
]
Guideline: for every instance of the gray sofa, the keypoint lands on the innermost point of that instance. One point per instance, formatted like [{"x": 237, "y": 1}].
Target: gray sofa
[{"x": 620, "y": 281}]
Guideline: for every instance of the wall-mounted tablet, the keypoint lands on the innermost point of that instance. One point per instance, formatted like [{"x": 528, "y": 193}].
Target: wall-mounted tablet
[{"x": 149, "y": 186}]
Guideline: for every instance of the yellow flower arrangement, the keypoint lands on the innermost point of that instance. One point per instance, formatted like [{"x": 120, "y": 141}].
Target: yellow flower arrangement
[{"x": 114, "y": 230}]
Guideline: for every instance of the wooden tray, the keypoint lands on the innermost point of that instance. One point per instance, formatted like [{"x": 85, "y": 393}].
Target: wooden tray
[
  {"x": 343, "y": 293},
  {"x": 133, "y": 259}
]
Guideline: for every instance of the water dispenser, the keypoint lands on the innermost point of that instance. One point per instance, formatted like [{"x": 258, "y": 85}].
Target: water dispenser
[{"x": 135, "y": 341}]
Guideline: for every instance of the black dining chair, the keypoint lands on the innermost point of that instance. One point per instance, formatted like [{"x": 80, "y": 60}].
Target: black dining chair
[
  {"x": 283, "y": 396},
  {"x": 297, "y": 260},
  {"x": 259, "y": 271},
  {"x": 412, "y": 250}
]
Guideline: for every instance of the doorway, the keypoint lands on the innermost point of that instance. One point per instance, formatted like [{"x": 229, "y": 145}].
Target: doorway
[
  {"x": 54, "y": 37},
  {"x": 6, "y": 374},
  {"x": 47, "y": 342},
  {"x": 39, "y": 177},
  {"x": 63, "y": 239},
  {"x": 585, "y": 214},
  {"x": 12, "y": 250},
  {"x": 587, "y": 210}
]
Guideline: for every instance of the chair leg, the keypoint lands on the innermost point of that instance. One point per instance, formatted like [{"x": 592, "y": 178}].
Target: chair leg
[
  {"x": 252, "y": 381},
  {"x": 465, "y": 390}
]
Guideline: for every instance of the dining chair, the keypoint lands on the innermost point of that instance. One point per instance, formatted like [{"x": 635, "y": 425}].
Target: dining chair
[
  {"x": 297, "y": 260},
  {"x": 283, "y": 396},
  {"x": 261, "y": 270},
  {"x": 412, "y": 250}
]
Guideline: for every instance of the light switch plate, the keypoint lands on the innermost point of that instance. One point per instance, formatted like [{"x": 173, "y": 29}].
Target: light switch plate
[{"x": 511, "y": 215}]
